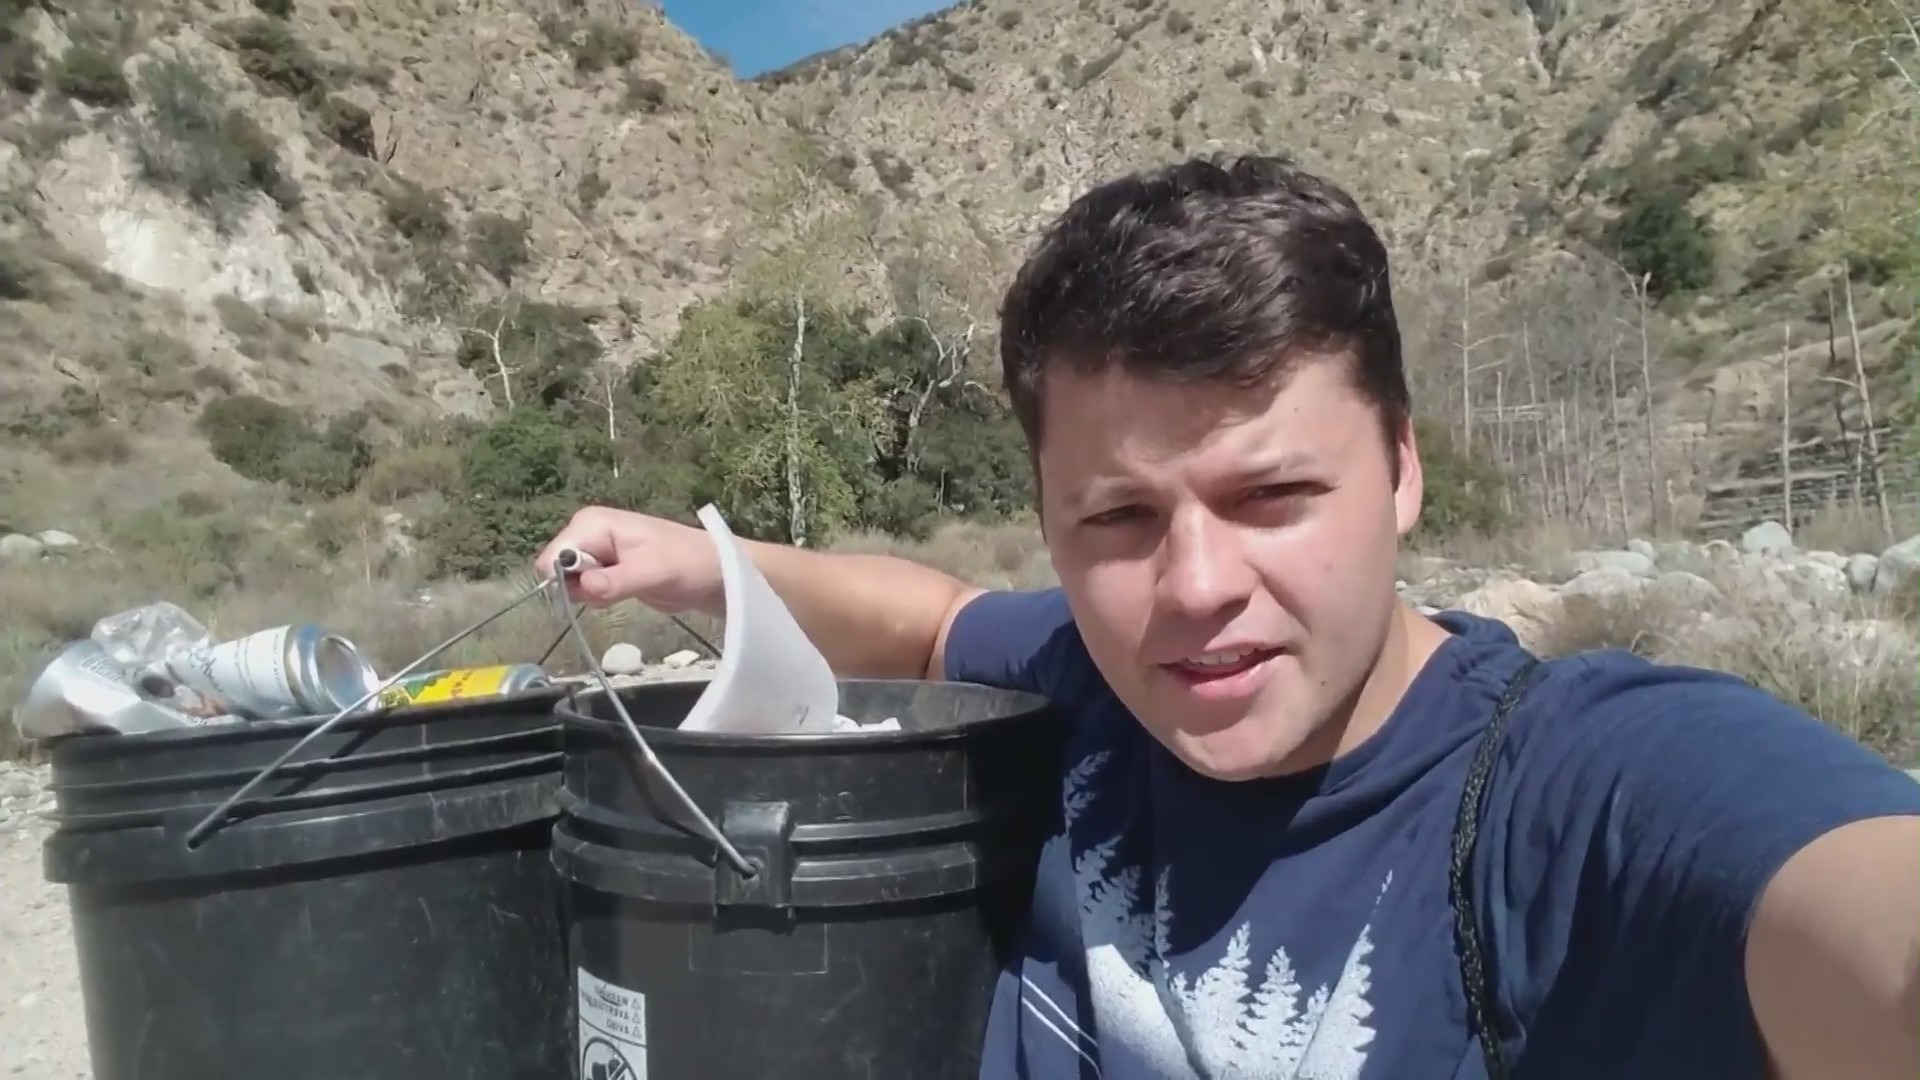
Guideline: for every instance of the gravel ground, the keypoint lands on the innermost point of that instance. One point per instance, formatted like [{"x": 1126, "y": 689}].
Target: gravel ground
[{"x": 43, "y": 1030}]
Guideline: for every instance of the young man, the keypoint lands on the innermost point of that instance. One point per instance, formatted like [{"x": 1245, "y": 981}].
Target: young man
[{"x": 1671, "y": 875}]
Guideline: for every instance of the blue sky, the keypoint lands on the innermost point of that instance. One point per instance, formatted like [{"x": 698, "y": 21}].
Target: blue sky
[{"x": 759, "y": 35}]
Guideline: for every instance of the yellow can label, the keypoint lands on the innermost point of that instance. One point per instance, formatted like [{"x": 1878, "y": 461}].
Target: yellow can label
[{"x": 459, "y": 684}]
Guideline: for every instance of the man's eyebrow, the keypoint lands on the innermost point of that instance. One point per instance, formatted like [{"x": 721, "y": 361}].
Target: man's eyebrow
[
  {"x": 1291, "y": 461},
  {"x": 1118, "y": 489}
]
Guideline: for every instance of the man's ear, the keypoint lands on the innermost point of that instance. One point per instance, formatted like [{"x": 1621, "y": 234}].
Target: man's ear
[{"x": 1411, "y": 488}]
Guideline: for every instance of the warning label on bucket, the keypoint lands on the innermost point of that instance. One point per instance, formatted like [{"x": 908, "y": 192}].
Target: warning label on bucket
[{"x": 613, "y": 1030}]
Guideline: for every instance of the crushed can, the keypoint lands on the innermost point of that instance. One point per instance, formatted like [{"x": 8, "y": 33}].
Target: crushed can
[
  {"x": 463, "y": 684},
  {"x": 288, "y": 671}
]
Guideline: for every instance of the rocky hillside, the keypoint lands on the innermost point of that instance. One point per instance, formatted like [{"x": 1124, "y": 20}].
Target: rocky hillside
[
  {"x": 321, "y": 203},
  {"x": 1751, "y": 156}
]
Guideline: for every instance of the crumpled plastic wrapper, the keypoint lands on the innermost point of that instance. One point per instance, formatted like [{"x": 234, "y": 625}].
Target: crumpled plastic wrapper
[
  {"x": 141, "y": 637},
  {"x": 846, "y": 724}
]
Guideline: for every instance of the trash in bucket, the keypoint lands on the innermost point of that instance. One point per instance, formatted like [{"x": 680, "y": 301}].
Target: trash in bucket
[
  {"x": 889, "y": 872},
  {"x": 157, "y": 667}
]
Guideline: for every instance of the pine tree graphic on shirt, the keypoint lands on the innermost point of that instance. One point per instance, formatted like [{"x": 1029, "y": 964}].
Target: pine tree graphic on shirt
[{"x": 1224, "y": 1024}]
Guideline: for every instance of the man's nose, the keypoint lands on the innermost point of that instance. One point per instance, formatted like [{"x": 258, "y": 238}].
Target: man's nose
[{"x": 1203, "y": 569}]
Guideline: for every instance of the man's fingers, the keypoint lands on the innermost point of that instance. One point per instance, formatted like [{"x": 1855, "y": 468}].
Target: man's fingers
[{"x": 594, "y": 587}]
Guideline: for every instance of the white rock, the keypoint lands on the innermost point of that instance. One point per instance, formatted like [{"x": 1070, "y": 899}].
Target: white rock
[
  {"x": 1816, "y": 583},
  {"x": 623, "y": 658},
  {"x": 1767, "y": 538},
  {"x": 1641, "y": 547},
  {"x": 682, "y": 659},
  {"x": 19, "y": 549},
  {"x": 1527, "y": 607},
  {"x": 1825, "y": 558},
  {"x": 1689, "y": 590},
  {"x": 1631, "y": 563},
  {"x": 1898, "y": 565},
  {"x": 1718, "y": 551},
  {"x": 1605, "y": 581},
  {"x": 1860, "y": 570},
  {"x": 54, "y": 538}
]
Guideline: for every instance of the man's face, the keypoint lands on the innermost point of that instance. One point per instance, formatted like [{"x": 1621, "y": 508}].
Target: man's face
[{"x": 1228, "y": 554}]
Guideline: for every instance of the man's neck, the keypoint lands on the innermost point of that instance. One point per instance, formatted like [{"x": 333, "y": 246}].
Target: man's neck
[{"x": 1412, "y": 639}]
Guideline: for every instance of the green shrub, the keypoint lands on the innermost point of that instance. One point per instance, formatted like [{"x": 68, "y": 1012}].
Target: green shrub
[
  {"x": 498, "y": 244},
  {"x": 193, "y": 144},
  {"x": 268, "y": 50},
  {"x": 601, "y": 44},
  {"x": 418, "y": 214},
  {"x": 19, "y": 60},
  {"x": 87, "y": 74},
  {"x": 20, "y": 279},
  {"x": 645, "y": 94},
  {"x": 1462, "y": 491},
  {"x": 348, "y": 125},
  {"x": 1658, "y": 234},
  {"x": 266, "y": 441},
  {"x": 279, "y": 9}
]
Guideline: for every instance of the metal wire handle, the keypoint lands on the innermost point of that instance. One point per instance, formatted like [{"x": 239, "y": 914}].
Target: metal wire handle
[{"x": 567, "y": 562}]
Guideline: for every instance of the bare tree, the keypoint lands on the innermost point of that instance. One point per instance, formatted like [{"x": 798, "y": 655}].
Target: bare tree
[
  {"x": 1786, "y": 426},
  {"x": 1866, "y": 403},
  {"x": 796, "y": 505},
  {"x": 501, "y": 369}
]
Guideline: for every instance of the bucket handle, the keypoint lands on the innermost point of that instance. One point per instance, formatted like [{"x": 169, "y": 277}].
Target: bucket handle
[
  {"x": 566, "y": 562},
  {"x": 572, "y": 561}
]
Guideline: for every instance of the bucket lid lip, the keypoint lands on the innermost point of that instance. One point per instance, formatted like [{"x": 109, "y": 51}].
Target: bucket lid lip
[
  {"x": 568, "y": 711},
  {"x": 91, "y": 745}
]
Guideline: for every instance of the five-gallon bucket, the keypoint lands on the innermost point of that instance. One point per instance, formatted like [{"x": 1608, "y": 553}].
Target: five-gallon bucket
[
  {"x": 384, "y": 908},
  {"x": 891, "y": 871}
]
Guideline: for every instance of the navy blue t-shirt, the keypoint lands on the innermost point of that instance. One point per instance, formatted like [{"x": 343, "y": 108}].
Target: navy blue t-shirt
[{"x": 1299, "y": 927}]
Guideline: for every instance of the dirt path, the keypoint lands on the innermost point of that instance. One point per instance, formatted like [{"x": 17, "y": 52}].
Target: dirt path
[{"x": 43, "y": 1031}]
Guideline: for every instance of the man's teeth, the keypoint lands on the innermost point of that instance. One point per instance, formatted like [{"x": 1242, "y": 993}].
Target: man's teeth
[{"x": 1221, "y": 659}]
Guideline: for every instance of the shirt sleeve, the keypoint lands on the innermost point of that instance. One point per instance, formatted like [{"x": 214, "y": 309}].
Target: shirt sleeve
[
  {"x": 1018, "y": 641},
  {"x": 1665, "y": 800}
]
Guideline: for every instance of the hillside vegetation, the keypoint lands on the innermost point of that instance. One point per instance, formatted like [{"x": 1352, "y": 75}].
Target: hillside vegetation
[{"x": 334, "y": 311}]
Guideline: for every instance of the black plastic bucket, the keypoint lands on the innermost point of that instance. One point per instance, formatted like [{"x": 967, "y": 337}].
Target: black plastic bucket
[
  {"x": 384, "y": 908},
  {"x": 894, "y": 873}
]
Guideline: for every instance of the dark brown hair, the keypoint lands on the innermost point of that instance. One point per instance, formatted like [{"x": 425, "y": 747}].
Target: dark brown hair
[{"x": 1205, "y": 271}]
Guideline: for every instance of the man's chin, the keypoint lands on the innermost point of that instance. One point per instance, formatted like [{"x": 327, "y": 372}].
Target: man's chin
[{"x": 1246, "y": 750}]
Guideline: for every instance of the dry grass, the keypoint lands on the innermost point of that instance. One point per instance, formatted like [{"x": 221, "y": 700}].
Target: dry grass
[
  {"x": 1517, "y": 546},
  {"x": 240, "y": 571},
  {"x": 1860, "y": 673},
  {"x": 1004, "y": 556},
  {"x": 1850, "y": 528}
]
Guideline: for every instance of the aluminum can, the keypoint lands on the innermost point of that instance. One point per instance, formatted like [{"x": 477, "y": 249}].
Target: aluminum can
[
  {"x": 83, "y": 688},
  {"x": 464, "y": 684},
  {"x": 288, "y": 671}
]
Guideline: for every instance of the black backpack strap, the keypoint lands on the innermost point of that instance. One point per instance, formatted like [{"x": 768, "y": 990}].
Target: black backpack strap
[{"x": 1481, "y": 1015}]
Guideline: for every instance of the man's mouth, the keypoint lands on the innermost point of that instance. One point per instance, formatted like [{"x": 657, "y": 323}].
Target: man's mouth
[{"x": 1221, "y": 672}]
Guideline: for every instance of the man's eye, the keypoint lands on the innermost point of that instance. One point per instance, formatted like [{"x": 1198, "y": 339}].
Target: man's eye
[
  {"x": 1277, "y": 492},
  {"x": 1119, "y": 515}
]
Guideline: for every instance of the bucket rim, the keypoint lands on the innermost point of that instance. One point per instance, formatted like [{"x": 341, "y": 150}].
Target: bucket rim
[
  {"x": 98, "y": 745},
  {"x": 568, "y": 712}
]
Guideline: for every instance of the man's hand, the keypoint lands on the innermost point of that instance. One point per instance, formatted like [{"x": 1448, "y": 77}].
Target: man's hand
[
  {"x": 872, "y": 616},
  {"x": 1833, "y": 956}
]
